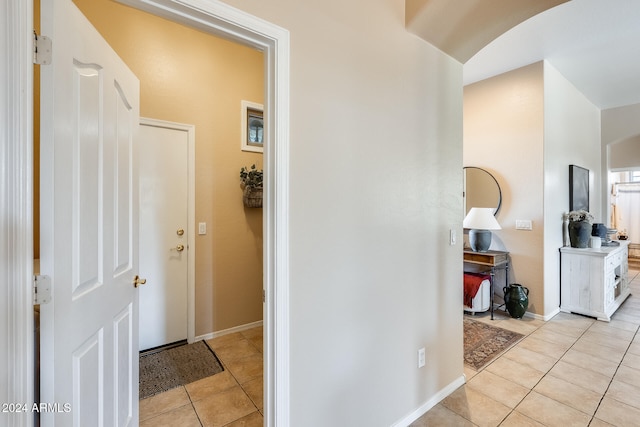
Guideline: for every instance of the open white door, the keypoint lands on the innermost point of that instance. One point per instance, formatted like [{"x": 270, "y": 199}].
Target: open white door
[{"x": 89, "y": 220}]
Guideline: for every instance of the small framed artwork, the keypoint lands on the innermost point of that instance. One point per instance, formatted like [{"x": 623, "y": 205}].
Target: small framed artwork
[
  {"x": 252, "y": 127},
  {"x": 578, "y": 188}
]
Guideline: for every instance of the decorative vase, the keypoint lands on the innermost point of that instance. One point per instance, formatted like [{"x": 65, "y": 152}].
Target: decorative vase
[
  {"x": 565, "y": 232},
  {"x": 516, "y": 299},
  {"x": 579, "y": 233}
]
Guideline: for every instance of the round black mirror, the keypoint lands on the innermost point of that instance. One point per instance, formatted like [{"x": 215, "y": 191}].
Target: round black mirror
[{"x": 481, "y": 190}]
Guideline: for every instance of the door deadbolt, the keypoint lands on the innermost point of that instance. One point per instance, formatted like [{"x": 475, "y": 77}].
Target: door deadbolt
[{"x": 180, "y": 232}]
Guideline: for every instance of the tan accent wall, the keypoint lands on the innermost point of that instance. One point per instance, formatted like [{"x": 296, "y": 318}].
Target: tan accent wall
[
  {"x": 191, "y": 77},
  {"x": 504, "y": 134}
]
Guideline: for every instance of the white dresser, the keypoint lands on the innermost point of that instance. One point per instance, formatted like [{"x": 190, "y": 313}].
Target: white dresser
[{"x": 594, "y": 282}]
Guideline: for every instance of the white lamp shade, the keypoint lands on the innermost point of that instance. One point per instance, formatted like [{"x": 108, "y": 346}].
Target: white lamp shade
[{"x": 481, "y": 219}]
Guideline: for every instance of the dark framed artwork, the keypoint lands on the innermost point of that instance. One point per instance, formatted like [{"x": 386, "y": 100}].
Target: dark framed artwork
[
  {"x": 252, "y": 127},
  {"x": 578, "y": 188}
]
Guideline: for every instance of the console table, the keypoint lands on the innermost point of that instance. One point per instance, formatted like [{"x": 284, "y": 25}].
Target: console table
[
  {"x": 594, "y": 281},
  {"x": 488, "y": 263}
]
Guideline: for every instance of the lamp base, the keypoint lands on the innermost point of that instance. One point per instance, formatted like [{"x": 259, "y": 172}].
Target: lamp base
[{"x": 480, "y": 240}]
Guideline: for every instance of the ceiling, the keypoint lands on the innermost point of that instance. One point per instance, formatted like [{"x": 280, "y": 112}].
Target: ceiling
[
  {"x": 595, "y": 44},
  {"x": 462, "y": 27}
]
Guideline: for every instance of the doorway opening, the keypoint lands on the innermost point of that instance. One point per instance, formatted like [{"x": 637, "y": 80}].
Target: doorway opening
[
  {"x": 218, "y": 18},
  {"x": 222, "y": 20}
]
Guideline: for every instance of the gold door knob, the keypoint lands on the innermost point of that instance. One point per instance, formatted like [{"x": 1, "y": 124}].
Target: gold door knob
[
  {"x": 137, "y": 281},
  {"x": 180, "y": 248}
]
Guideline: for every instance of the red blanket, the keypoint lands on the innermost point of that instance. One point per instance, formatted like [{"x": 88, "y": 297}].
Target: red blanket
[{"x": 472, "y": 282}]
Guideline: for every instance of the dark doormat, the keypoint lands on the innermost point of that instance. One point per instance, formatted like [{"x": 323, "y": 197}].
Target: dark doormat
[
  {"x": 483, "y": 343},
  {"x": 167, "y": 369}
]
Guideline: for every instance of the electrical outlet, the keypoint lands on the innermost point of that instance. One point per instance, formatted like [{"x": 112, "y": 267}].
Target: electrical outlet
[
  {"x": 452, "y": 237},
  {"x": 202, "y": 228},
  {"x": 421, "y": 358}
]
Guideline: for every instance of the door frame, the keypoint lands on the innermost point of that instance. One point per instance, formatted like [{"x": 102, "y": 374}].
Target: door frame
[
  {"x": 16, "y": 206},
  {"x": 191, "y": 216},
  {"x": 16, "y": 189}
]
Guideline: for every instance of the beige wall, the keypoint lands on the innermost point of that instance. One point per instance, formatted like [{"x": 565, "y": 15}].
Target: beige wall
[
  {"x": 620, "y": 132},
  {"x": 190, "y": 77},
  {"x": 620, "y": 123},
  {"x": 503, "y": 133},
  {"x": 527, "y": 126},
  {"x": 625, "y": 154},
  {"x": 375, "y": 186}
]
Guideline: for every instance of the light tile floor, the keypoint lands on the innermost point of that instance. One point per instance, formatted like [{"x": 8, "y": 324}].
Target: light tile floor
[
  {"x": 569, "y": 371},
  {"x": 232, "y": 398}
]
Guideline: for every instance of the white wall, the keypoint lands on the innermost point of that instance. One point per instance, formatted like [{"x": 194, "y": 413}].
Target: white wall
[
  {"x": 571, "y": 136},
  {"x": 503, "y": 133},
  {"x": 376, "y": 184}
]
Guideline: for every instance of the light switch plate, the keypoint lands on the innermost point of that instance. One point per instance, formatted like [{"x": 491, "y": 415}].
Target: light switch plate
[
  {"x": 202, "y": 228},
  {"x": 524, "y": 224}
]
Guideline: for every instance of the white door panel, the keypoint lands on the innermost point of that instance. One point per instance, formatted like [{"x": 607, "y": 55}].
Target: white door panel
[
  {"x": 89, "y": 211},
  {"x": 164, "y": 211}
]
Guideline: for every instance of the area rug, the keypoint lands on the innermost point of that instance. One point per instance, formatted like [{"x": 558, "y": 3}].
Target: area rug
[
  {"x": 483, "y": 342},
  {"x": 176, "y": 366}
]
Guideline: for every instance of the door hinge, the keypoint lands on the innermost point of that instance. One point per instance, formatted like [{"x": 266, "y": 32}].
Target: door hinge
[
  {"x": 41, "y": 289},
  {"x": 42, "y": 46},
  {"x": 264, "y": 295}
]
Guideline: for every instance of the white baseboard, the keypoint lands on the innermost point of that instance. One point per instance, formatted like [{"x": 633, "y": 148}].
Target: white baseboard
[
  {"x": 228, "y": 331},
  {"x": 544, "y": 318},
  {"x": 424, "y": 408}
]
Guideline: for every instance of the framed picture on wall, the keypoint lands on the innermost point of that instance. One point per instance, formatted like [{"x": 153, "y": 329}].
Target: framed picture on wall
[
  {"x": 252, "y": 135},
  {"x": 578, "y": 188}
]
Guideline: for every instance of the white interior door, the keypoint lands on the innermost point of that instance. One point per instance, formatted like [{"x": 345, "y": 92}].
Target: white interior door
[
  {"x": 164, "y": 232},
  {"x": 89, "y": 236}
]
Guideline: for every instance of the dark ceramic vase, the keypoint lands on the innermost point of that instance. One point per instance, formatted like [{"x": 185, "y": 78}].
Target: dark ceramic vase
[
  {"x": 516, "y": 299},
  {"x": 599, "y": 230},
  {"x": 579, "y": 233}
]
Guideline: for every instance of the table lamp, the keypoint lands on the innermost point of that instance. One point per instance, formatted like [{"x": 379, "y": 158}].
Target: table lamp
[{"x": 480, "y": 222}]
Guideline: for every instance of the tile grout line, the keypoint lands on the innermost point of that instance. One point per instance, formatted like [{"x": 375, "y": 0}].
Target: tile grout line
[
  {"x": 511, "y": 410},
  {"x": 613, "y": 376},
  {"x": 545, "y": 374},
  {"x": 236, "y": 379},
  {"x": 191, "y": 402},
  {"x": 582, "y": 332},
  {"x": 577, "y": 339}
]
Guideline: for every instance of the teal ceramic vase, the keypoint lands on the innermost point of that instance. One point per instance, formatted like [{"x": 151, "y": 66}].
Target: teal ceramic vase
[
  {"x": 516, "y": 299},
  {"x": 580, "y": 233}
]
